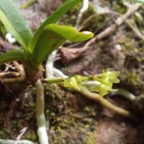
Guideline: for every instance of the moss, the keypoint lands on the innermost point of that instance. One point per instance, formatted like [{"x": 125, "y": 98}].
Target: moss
[
  {"x": 31, "y": 137},
  {"x": 133, "y": 54},
  {"x": 119, "y": 6},
  {"x": 131, "y": 78},
  {"x": 3, "y": 134},
  {"x": 81, "y": 136},
  {"x": 95, "y": 24},
  {"x": 71, "y": 16},
  {"x": 90, "y": 10},
  {"x": 72, "y": 117},
  {"x": 75, "y": 10},
  {"x": 90, "y": 139},
  {"x": 91, "y": 21}
]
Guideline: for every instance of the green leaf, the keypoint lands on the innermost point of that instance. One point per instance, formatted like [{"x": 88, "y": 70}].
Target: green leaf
[
  {"x": 51, "y": 38},
  {"x": 14, "y": 54},
  {"x": 14, "y": 22},
  {"x": 70, "y": 33},
  {"x": 69, "y": 4}
]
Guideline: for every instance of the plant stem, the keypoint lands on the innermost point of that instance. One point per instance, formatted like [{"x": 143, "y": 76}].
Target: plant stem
[
  {"x": 53, "y": 80},
  {"x": 104, "y": 102},
  {"x": 94, "y": 96},
  {"x": 40, "y": 117}
]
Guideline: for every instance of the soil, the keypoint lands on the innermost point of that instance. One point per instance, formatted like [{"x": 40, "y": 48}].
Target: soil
[{"x": 72, "y": 118}]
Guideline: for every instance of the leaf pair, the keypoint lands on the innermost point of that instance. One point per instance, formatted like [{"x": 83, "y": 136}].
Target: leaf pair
[{"x": 35, "y": 48}]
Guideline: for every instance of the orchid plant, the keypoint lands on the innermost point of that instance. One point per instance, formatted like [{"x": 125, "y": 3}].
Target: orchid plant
[{"x": 35, "y": 48}]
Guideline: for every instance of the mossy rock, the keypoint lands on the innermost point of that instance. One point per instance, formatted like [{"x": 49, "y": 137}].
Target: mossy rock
[{"x": 72, "y": 117}]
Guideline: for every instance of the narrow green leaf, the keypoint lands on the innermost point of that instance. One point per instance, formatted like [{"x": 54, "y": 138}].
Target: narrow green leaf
[
  {"x": 70, "y": 33},
  {"x": 14, "y": 54},
  {"x": 54, "y": 18},
  {"x": 52, "y": 37},
  {"x": 14, "y": 22}
]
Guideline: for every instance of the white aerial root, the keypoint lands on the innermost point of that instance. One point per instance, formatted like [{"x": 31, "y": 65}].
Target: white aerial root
[
  {"x": 51, "y": 71},
  {"x": 13, "y": 142},
  {"x": 124, "y": 93},
  {"x": 82, "y": 10},
  {"x": 40, "y": 117},
  {"x": 50, "y": 65},
  {"x": 59, "y": 73}
]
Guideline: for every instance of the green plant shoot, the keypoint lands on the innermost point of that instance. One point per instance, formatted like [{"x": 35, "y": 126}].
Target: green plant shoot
[
  {"x": 36, "y": 48},
  {"x": 101, "y": 83}
]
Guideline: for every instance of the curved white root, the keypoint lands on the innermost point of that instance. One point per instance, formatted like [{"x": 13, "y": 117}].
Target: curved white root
[{"x": 40, "y": 117}]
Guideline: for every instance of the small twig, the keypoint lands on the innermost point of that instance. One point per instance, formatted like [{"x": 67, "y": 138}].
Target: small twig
[
  {"x": 16, "y": 79},
  {"x": 134, "y": 27},
  {"x": 94, "y": 15},
  {"x": 113, "y": 27},
  {"x": 9, "y": 74},
  {"x": 20, "y": 135},
  {"x": 103, "y": 34}
]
